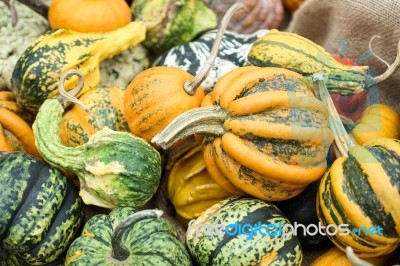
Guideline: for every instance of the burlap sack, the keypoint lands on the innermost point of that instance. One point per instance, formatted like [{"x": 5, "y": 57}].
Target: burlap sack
[{"x": 346, "y": 26}]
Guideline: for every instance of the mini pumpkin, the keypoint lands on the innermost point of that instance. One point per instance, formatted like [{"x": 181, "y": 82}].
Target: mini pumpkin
[
  {"x": 159, "y": 94},
  {"x": 361, "y": 189},
  {"x": 128, "y": 237},
  {"x": 266, "y": 134},
  {"x": 89, "y": 15}
]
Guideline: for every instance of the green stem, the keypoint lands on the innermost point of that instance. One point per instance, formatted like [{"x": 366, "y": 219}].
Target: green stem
[
  {"x": 206, "y": 120},
  {"x": 191, "y": 86},
  {"x": 342, "y": 138},
  {"x": 119, "y": 250}
]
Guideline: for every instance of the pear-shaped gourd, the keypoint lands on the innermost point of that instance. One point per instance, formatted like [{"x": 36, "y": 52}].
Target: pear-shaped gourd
[
  {"x": 37, "y": 71},
  {"x": 114, "y": 168}
]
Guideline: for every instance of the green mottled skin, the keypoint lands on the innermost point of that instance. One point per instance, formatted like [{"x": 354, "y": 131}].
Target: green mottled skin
[
  {"x": 236, "y": 250},
  {"x": 36, "y": 73},
  {"x": 132, "y": 183},
  {"x": 150, "y": 242},
  {"x": 189, "y": 18},
  {"x": 40, "y": 212},
  {"x": 338, "y": 80}
]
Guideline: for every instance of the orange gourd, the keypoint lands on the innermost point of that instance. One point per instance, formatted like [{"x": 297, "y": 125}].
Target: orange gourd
[
  {"x": 89, "y": 15},
  {"x": 159, "y": 94}
]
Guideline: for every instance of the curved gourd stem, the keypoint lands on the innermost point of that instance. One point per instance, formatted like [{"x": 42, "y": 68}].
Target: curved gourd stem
[
  {"x": 191, "y": 86},
  {"x": 119, "y": 250},
  {"x": 391, "y": 69},
  {"x": 354, "y": 260},
  {"x": 342, "y": 138},
  {"x": 206, "y": 120},
  {"x": 36, "y": 5},
  {"x": 70, "y": 95}
]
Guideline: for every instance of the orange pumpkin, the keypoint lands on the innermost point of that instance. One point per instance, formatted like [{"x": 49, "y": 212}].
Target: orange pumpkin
[
  {"x": 89, "y": 15},
  {"x": 159, "y": 94}
]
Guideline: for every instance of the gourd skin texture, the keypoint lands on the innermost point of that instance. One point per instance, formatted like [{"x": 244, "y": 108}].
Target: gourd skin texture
[
  {"x": 37, "y": 72},
  {"x": 89, "y": 15},
  {"x": 150, "y": 242},
  {"x": 276, "y": 135},
  {"x": 190, "y": 188},
  {"x": 237, "y": 249},
  {"x": 114, "y": 168},
  {"x": 40, "y": 212},
  {"x": 149, "y": 106},
  {"x": 377, "y": 121},
  {"x": 294, "y": 52},
  {"x": 174, "y": 22},
  {"x": 364, "y": 190},
  {"x": 107, "y": 105}
]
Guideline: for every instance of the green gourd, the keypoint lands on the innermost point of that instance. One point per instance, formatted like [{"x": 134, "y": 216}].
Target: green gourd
[
  {"x": 114, "y": 168},
  {"x": 128, "y": 237}
]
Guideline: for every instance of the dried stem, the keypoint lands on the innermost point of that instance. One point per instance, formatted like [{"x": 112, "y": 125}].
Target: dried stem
[
  {"x": 191, "y": 86},
  {"x": 342, "y": 138},
  {"x": 354, "y": 260},
  {"x": 198, "y": 120},
  {"x": 391, "y": 68},
  {"x": 70, "y": 95}
]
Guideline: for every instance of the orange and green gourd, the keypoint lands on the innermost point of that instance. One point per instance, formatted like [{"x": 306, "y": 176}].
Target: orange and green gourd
[{"x": 265, "y": 133}]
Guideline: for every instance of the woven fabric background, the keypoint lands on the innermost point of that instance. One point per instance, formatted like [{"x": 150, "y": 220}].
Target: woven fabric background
[{"x": 346, "y": 27}]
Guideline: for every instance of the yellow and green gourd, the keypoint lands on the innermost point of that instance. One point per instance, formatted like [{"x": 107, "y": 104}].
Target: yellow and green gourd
[{"x": 36, "y": 73}]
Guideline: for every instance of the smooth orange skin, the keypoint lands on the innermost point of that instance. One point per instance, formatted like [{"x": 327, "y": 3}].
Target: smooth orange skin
[
  {"x": 89, "y": 15},
  {"x": 155, "y": 97}
]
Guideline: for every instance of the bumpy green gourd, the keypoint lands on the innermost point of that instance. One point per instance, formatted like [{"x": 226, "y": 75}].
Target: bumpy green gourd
[
  {"x": 171, "y": 23},
  {"x": 114, "y": 168},
  {"x": 37, "y": 71}
]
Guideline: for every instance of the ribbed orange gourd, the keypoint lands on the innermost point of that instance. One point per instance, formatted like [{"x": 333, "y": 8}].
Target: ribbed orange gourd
[
  {"x": 159, "y": 94},
  {"x": 266, "y": 134},
  {"x": 89, "y": 15}
]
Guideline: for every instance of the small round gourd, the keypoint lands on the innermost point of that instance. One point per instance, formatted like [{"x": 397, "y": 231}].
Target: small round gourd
[
  {"x": 248, "y": 247},
  {"x": 89, "y": 15},
  {"x": 40, "y": 212},
  {"x": 128, "y": 237}
]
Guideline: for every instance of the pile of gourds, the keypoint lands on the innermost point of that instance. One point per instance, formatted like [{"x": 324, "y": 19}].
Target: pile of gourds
[{"x": 232, "y": 123}]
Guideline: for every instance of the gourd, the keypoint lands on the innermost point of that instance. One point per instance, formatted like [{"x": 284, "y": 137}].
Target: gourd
[
  {"x": 377, "y": 120},
  {"x": 106, "y": 104},
  {"x": 191, "y": 56},
  {"x": 40, "y": 212},
  {"x": 114, "y": 168},
  {"x": 37, "y": 71},
  {"x": 159, "y": 94},
  {"x": 294, "y": 52},
  {"x": 362, "y": 188},
  {"x": 266, "y": 134},
  {"x": 247, "y": 247},
  {"x": 171, "y": 23},
  {"x": 190, "y": 188},
  {"x": 16, "y": 38},
  {"x": 262, "y": 14},
  {"x": 89, "y": 15},
  {"x": 128, "y": 237},
  {"x": 15, "y": 131}
]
